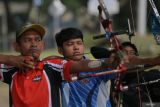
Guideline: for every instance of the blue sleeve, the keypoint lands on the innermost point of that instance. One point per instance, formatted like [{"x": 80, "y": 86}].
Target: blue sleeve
[{"x": 155, "y": 28}]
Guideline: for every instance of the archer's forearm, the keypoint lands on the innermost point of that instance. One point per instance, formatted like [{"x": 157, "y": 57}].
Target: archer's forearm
[
  {"x": 151, "y": 61},
  {"x": 91, "y": 65},
  {"x": 22, "y": 62},
  {"x": 4, "y": 59}
]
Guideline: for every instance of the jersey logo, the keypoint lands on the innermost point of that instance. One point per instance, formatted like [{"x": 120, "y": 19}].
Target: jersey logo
[{"x": 37, "y": 78}]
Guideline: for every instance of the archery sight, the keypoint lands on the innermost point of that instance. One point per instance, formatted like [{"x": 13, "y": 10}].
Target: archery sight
[{"x": 108, "y": 35}]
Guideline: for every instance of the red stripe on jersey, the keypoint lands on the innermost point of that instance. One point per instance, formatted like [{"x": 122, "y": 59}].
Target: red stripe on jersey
[
  {"x": 55, "y": 61},
  {"x": 0, "y": 72},
  {"x": 66, "y": 67},
  {"x": 66, "y": 70},
  {"x": 0, "y": 76}
]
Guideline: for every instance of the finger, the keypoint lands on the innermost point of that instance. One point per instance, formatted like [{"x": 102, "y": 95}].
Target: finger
[
  {"x": 20, "y": 67},
  {"x": 28, "y": 58},
  {"x": 26, "y": 66},
  {"x": 29, "y": 63},
  {"x": 30, "y": 66}
]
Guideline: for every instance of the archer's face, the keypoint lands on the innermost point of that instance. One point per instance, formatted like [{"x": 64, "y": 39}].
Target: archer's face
[
  {"x": 129, "y": 51},
  {"x": 73, "y": 49},
  {"x": 30, "y": 43}
]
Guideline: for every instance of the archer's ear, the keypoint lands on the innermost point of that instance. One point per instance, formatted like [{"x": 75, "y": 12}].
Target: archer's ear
[
  {"x": 60, "y": 50},
  {"x": 16, "y": 47}
]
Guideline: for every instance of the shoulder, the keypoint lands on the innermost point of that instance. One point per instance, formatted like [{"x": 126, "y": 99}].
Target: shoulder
[
  {"x": 54, "y": 61},
  {"x": 52, "y": 58}
]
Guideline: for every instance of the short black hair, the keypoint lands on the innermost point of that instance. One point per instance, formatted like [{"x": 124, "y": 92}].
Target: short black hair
[
  {"x": 133, "y": 46},
  {"x": 67, "y": 34}
]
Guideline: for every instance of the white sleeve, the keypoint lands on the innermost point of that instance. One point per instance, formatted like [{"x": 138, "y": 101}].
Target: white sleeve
[
  {"x": 3, "y": 68},
  {"x": 1, "y": 72}
]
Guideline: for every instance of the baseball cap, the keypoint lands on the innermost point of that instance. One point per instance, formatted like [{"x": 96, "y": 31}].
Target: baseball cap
[{"x": 37, "y": 27}]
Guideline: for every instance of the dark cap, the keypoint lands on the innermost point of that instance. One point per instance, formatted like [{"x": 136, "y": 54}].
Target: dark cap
[{"x": 37, "y": 27}]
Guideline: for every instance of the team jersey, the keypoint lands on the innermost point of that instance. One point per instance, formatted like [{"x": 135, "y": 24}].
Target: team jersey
[
  {"x": 37, "y": 87},
  {"x": 89, "y": 92}
]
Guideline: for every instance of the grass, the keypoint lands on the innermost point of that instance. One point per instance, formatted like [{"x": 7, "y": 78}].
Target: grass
[{"x": 4, "y": 93}]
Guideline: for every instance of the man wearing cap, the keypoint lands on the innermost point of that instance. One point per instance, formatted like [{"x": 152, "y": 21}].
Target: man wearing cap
[
  {"x": 38, "y": 86},
  {"x": 20, "y": 61},
  {"x": 32, "y": 87}
]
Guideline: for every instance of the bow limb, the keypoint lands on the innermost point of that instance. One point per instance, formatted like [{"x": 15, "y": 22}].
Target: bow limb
[
  {"x": 107, "y": 25},
  {"x": 155, "y": 10}
]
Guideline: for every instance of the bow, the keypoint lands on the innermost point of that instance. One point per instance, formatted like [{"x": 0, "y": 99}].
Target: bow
[
  {"x": 155, "y": 25},
  {"x": 114, "y": 42},
  {"x": 107, "y": 25},
  {"x": 155, "y": 10}
]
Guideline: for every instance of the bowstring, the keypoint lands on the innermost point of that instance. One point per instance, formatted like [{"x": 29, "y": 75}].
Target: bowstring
[
  {"x": 133, "y": 25},
  {"x": 139, "y": 93},
  {"x": 148, "y": 93},
  {"x": 155, "y": 10},
  {"x": 132, "y": 15},
  {"x": 158, "y": 18}
]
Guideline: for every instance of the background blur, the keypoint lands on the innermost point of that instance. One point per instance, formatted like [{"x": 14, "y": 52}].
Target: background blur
[{"x": 83, "y": 14}]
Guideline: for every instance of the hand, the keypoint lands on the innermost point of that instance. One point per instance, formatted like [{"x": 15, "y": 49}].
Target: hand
[
  {"x": 114, "y": 60},
  {"x": 142, "y": 61},
  {"x": 21, "y": 62}
]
